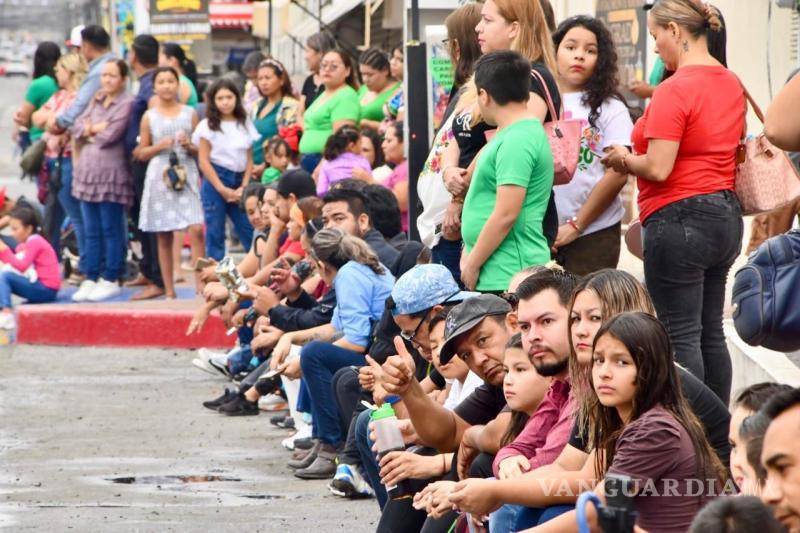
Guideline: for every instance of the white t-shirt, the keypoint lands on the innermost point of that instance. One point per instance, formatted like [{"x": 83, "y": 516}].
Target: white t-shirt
[
  {"x": 458, "y": 391},
  {"x": 228, "y": 147},
  {"x": 614, "y": 126}
]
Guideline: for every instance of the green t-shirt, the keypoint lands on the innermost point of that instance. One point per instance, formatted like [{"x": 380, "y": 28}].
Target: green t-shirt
[
  {"x": 266, "y": 126},
  {"x": 192, "y": 101},
  {"x": 519, "y": 155},
  {"x": 373, "y": 110},
  {"x": 39, "y": 92},
  {"x": 269, "y": 175},
  {"x": 319, "y": 118}
]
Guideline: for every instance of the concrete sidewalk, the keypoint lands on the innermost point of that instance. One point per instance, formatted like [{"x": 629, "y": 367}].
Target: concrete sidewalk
[{"x": 75, "y": 418}]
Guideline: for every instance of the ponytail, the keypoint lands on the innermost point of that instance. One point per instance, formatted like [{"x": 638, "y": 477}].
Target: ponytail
[
  {"x": 336, "y": 248},
  {"x": 190, "y": 71}
]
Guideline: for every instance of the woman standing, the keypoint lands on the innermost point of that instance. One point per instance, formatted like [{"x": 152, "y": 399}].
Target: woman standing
[
  {"x": 685, "y": 159},
  {"x": 378, "y": 87},
  {"x": 40, "y": 90},
  {"x": 589, "y": 208},
  {"x": 335, "y": 107},
  {"x": 277, "y": 108},
  {"x": 166, "y": 131},
  {"x": 316, "y": 46},
  {"x": 70, "y": 71},
  {"x": 102, "y": 183},
  {"x": 173, "y": 55}
]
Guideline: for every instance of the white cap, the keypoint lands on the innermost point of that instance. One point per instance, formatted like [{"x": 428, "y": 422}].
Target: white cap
[{"x": 75, "y": 36}]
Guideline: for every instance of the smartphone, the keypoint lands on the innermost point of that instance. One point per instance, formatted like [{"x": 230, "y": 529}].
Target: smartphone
[{"x": 203, "y": 262}]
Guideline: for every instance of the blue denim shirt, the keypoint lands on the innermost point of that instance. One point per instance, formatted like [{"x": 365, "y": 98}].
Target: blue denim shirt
[
  {"x": 87, "y": 90},
  {"x": 138, "y": 110},
  {"x": 362, "y": 298}
]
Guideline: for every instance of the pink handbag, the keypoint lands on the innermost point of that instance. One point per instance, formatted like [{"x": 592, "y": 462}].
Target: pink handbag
[
  {"x": 765, "y": 177},
  {"x": 564, "y": 137}
]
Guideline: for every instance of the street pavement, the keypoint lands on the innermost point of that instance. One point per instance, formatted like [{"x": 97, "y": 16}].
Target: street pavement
[{"x": 74, "y": 419}]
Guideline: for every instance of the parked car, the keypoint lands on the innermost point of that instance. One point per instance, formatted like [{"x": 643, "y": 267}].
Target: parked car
[{"x": 16, "y": 68}]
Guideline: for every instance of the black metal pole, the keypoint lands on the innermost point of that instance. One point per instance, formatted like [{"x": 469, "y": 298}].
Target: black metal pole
[{"x": 416, "y": 94}]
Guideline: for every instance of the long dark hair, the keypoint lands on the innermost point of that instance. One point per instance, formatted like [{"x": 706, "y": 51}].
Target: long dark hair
[
  {"x": 604, "y": 82},
  {"x": 518, "y": 418},
  {"x": 375, "y": 138},
  {"x": 279, "y": 70},
  {"x": 347, "y": 61},
  {"x": 45, "y": 59},
  {"x": 27, "y": 217},
  {"x": 187, "y": 65},
  {"x": 657, "y": 383},
  {"x": 337, "y": 143},
  {"x": 212, "y": 112}
]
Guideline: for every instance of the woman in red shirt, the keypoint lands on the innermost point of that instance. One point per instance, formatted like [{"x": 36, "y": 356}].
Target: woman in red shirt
[{"x": 685, "y": 159}]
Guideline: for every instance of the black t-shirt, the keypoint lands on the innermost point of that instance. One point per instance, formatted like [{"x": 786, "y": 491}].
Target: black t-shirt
[
  {"x": 482, "y": 405},
  {"x": 552, "y": 86},
  {"x": 310, "y": 90},
  {"x": 707, "y": 407}
]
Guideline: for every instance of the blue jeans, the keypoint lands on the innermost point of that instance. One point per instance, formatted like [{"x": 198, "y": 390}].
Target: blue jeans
[
  {"x": 448, "y": 253},
  {"x": 517, "y": 517},
  {"x": 215, "y": 209},
  {"x": 689, "y": 247},
  {"x": 105, "y": 225},
  {"x": 309, "y": 162},
  {"x": 70, "y": 204},
  {"x": 369, "y": 461},
  {"x": 13, "y": 283},
  {"x": 320, "y": 361}
]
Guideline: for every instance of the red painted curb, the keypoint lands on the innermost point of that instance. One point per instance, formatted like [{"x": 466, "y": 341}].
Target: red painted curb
[{"x": 69, "y": 325}]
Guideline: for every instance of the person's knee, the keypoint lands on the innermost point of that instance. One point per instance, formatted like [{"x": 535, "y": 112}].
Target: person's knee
[{"x": 311, "y": 354}]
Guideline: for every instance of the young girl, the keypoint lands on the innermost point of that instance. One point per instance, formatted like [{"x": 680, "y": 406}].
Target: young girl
[
  {"x": 589, "y": 206},
  {"x": 342, "y": 156},
  {"x": 371, "y": 149},
  {"x": 39, "y": 286},
  {"x": 224, "y": 141},
  {"x": 277, "y": 155},
  {"x": 642, "y": 427},
  {"x": 167, "y": 129}
]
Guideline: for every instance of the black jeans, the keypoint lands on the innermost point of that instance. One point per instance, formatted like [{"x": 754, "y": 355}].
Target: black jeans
[
  {"x": 148, "y": 265},
  {"x": 349, "y": 394},
  {"x": 689, "y": 247}
]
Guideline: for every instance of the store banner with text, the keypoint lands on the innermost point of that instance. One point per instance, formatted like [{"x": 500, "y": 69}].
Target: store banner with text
[
  {"x": 186, "y": 23},
  {"x": 627, "y": 22}
]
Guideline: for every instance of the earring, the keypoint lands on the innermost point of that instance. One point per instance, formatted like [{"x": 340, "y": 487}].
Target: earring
[{"x": 685, "y": 46}]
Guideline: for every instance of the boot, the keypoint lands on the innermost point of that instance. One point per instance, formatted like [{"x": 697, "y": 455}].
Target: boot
[
  {"x": 307, "y": 460},
  {"x": 323, "y": 466}
]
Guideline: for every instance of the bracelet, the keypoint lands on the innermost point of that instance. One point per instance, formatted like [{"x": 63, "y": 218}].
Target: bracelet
[
  {"x": 444, "y": 464},
  {"x": 574, "y": 223},
  {"x": 458, "y": 200}
]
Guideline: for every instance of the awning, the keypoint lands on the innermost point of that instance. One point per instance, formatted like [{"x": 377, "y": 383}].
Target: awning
[{"x": 226, "y": 15}]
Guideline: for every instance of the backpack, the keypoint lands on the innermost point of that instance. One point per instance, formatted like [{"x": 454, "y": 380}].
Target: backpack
[{"x": 766, "y": 295}]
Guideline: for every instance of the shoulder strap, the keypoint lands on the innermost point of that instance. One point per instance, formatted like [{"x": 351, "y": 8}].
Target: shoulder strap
[
  {"x": 756, "y": 109},
  {"x": 550, "y": 105}
]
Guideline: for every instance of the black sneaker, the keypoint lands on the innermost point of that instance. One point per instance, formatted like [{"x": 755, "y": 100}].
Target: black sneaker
[
  {"x": 277, "y": 420},
  {"x": 216, "y": 403},
  {"x": 239, "y": 406},
  {"x": 287, "y": 423}
]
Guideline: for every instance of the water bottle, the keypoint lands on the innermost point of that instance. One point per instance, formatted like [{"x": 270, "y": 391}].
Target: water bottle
[{"x": 389, "y": 439}]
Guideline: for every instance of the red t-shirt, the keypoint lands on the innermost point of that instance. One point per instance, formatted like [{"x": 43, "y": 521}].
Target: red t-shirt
[
  {"x": 702, "y": 107},
  {"x": 292, "y": 247}
]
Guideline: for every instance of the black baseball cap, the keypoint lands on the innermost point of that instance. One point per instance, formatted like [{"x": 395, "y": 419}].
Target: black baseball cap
[
  {"x": 298, "y": 182},
  {"x": 465, "y": 316}
]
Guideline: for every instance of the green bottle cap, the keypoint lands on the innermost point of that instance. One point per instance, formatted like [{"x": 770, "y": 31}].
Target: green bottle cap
[{"x": 384, "y": 411}]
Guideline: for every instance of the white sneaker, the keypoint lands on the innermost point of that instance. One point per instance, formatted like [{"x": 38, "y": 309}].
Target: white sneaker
[
  {"x": 86, "y": 288},
  {"x": 303, "y": 433},
  {"x": 215, "y": 363},
  {"x": 272, "y": 402},
  {"x": 7, "y": 321},
  {"x": 103, "y": 290}
]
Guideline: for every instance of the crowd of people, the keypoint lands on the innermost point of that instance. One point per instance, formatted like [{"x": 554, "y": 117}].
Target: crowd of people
[{"x": 517, "y": 365}]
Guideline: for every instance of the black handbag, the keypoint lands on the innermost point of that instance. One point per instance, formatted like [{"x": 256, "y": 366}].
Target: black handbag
[{"x": 175, "y": 174}]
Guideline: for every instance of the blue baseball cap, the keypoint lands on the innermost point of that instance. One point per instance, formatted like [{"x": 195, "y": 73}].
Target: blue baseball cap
[{"x": 425, "y": 286}]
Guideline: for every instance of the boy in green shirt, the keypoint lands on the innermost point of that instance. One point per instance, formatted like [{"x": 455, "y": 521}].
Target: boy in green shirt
[{"x": 508, "y": 195}]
